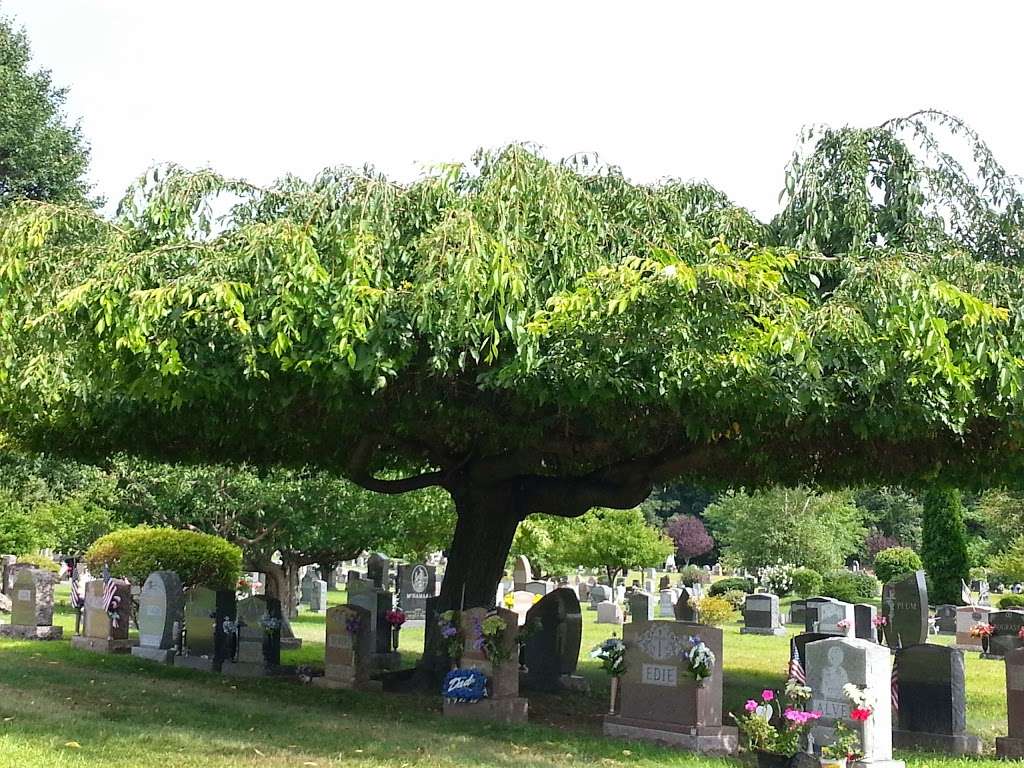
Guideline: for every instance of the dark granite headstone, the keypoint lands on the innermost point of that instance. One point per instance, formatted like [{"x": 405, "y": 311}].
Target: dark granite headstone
[
  {"x": 864, "y": 622},
  {"x": 761, "y": 615},
  {"x": 932, "y": 700},
  {"x": 641, "y": 606},
  {"x": 685, "y": 608},
  {"x": 377, "y": 570},
  {"x": 664, "y": 583},
  {"x": 945, "y": 619},
  {"x": 1012, "y": 745},
  {"x": 258, "y": 640},
  {"x": 205, "y": 613},
  {"x": 1005, "y": 639},
  {"x": 552, "y": 649},
  {"x": 417, "y": 583},
  {"x": 905, "y": 606},
  {"x": 798, "y": 612},
  {"x": 799, "y": 644}
]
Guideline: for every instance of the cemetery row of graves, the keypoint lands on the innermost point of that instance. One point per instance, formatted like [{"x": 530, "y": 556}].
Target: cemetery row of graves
[{"x": 861, "y": 680}]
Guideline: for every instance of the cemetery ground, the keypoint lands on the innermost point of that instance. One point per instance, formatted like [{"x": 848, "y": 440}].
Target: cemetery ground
[{"x": 60, "y": 707}]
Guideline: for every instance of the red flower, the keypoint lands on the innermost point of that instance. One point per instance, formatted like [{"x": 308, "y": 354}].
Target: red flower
[{"x": 860, "y": 714}]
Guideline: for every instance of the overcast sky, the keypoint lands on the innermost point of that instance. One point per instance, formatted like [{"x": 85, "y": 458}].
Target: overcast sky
[{"x": 713, "y": 90}]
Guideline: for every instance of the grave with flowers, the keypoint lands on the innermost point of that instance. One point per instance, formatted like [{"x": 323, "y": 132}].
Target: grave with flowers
[
  {"x": 484, "y": 648},
  {"x": 209, "y": 615},
  {"x": 107, "y": 608},
  {"x": 671, "y": 687},
  {"x": 775, "y": 726},
  {"x": 255, "y": 636},
  {"x": 32, "y": 607},
  {"x": 379, "y": 602},
  {"x": 347, "y": 650}
]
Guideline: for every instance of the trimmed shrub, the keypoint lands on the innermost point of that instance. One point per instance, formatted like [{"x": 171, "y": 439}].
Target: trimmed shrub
[
  {"x": 735, "y": 598},
  {"x": 1007, "y": 602},
  {"x": 896, "y": 561},
  {"x": 693, "y": 574},
  {"x": 806, "y": 582},
  {"x": 197, "y": 558},
  {"x": 38, "y": 561},
  {"x": 722, "y": 586},
  {"x": 850, "y": 587},
  {"x": 944, "y": 544},
  {"x": 715, "y": 611}
]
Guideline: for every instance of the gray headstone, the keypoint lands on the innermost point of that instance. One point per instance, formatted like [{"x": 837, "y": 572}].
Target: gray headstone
[
  {"x": 686, "y": 610},
  {"x": 161, "y": 604},
  {"x": 761, "y": 611},
  {"x": 833, "y": 615},
  {"x": 522, "y": 573},
  {"x": 905, "y": 606},
  {"x": 641, "y": 606},
  {"x": 945, "y": 619},
  {"x": 377, "y": 570},
  {"x": 1005, "y": 639},
  {"x": 32, "y": 598}
]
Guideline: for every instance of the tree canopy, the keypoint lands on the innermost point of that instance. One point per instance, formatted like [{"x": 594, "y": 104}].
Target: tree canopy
[{"x": 535, "y": 336}]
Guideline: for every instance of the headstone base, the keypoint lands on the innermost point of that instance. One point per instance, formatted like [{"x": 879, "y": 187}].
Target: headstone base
[
  {"x": 347, "y": 685},
  {"x": 386, "y": 662},
  {"x": 160, "y": 655},
  {"x": 776, "y": 631},
  {"x": 248, "y": 669},
  {"x": 513, "y": 709},
  {"x": 28, "y": 632},
  {"x": 291, "y": 643},
  {"x": 98, "y": 645},
  {"x": 705, "y": 740},
  {"x": 963, "y": 744},
  {"x": 203, "y": 664},
  {"x": 1008, "y": 747}
]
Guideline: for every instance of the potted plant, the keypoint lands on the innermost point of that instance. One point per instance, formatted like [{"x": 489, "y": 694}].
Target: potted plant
[
  {"x": 612, "y": 653},
  {"x": 776, "y": 730},
  {"x": 984, "y": 631}
]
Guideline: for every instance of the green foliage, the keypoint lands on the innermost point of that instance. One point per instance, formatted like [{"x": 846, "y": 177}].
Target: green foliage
[
  {"x": 850, "y": 586},
  {"x": 19, "y": 534},
  {"x": 893, "y": 513},
  {"x": 617, "y": 540},
  {"x": 676, "y": 499},
  {"x": 896, "y": 561},
  {"x": 807, "y": 582},
  {"x": 693, "y": 574},
  {"x": 70, "y": 527},
  {"x": 197, "y": 558},
  {"x": 1010, "y": 564},
  {"x": 795, "y": 526},
  {"x": 1001, "y": 513},
  {"x": 38, "y": 561},
  {"x": 1006, "y": 602},
  {"x": 540, "y": 539},
  {"x": 735, "y": 597},
  {"x": 42, "y": 158},
  {"x": 944, "y": 544},
  {"x": 732, "y": 583},
  {"x": 715, "y": 611}
]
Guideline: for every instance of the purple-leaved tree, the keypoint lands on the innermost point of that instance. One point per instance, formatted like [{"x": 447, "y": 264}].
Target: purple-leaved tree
[{"x": 690, "y": 536}]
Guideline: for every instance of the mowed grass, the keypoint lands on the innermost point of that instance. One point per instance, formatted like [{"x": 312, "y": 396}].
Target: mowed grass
[{"x": 60, "y": 707}]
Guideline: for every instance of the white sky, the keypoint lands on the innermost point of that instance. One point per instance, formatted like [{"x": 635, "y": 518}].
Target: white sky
[{"x": 715, "y": 90}]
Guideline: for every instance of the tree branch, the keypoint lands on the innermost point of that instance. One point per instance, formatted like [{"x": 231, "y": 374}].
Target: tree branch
[{"x": 359, "y": 472}]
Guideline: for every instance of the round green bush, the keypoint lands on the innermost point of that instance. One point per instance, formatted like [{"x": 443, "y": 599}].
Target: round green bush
[
  {"x": 1007, "y": 602},
  {"x": 38, "y": 561},
  {"x": 850, "y": 586},
  {"x": 693, "y": 574},
  {"x": 896, "y": 561},
  {"x": 806, "y": 582},
  {"x": 735, "y": 597},
  {"x": 197, "y": 558},
  {"x": 722, "y": 586}
]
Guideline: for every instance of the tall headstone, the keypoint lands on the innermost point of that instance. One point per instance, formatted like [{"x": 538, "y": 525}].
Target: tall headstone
[
  {"x": 306, "y": 587},
  {"x": 1006, "y": 637},
  {"x": 105, "y": 628},
  {"x": 552, "y": 648},
  {"x": 6, "y": 574},
  {"x": 378, "y": 602},
  {"x": 761, "y": 615},
  {"x": 833, "y": 663},
  {"x": 905, "y": 607},
  {"x": 660, "y": 701},
  {"x": 664, "y": 583},
  {"x": 161, "y": 605},
  {"x": 686, "y": 609},
  {"x": 347, "y": 649},
  {"x": 318, "y": 596},
  {"x": 945, "y": 619},
  {"x": 207, "y": 615},
  {"x": 1012, "y": 745},
  {"x": 609, "y": 613},
  {"x": 798, "y": 612},
  {"x": 417, "y": 583},
  {"x": 32, "y": 607},
  {"x": 257, "y": 638},
  {"x": 641, "y": 606},
  {"x": 864, "y": 622},
  {"x": 377, "y": 568},
  {"x": 667, "y": 603},
  {"x": 522, "y": 574},
  {"x": 967, "y": 617},
  {"x": 503, "y": 702},
  {"x": 932, "y": 699}
]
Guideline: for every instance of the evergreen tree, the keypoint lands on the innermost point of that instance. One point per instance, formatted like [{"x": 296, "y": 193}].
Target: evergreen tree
[{"x": 944, "y": 544}]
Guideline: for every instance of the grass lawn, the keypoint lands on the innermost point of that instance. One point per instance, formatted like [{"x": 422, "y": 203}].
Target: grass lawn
[{"x": 60, "y": 707}]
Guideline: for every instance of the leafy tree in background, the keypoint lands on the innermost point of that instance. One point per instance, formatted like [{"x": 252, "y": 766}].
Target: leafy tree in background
[
  {"x": 1000, "y": 514},
  {"x": 689, "y": 536},
  {"x": 533, "y": 336},
  {"x": 894, "y": 516},
  {"x": 1010, "y": 563},
  {"x": 617, "y": 540},
  {"x": 41, "y": 156},
  {"x": 787, "y": 526},
  {"x": 676, "y": 499},
  {"x": 944, "y": 544},
  {"x": 18, "y": 533},
  {"x": 541, "y": 539}
]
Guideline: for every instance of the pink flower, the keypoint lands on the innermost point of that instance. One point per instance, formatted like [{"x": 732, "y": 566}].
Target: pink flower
[
  {"x": 750, "y": 706},
  {"x": 860, "y": 714},
  {"x": 767, "y": 694}
]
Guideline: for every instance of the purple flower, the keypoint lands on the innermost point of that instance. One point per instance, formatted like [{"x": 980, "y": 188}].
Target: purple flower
[{"x": 449, "y": 631}]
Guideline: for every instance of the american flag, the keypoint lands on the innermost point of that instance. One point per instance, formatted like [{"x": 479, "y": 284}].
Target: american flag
[
  {"x": 76, "y": 595},
  {"x": 111, "y": 601},
  {"x": 796, "y": 669},
  {"x": 894, "y": 686}
]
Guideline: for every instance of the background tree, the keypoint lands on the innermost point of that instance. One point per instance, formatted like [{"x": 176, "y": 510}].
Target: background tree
[
  {"x": 944, "y": 545},
  {"x": 676, "y": 499},
  {"x": 787, "y": 526},
  {"x": 532, "y": 336},
  {"x": 541, "y": 538},
  {"x": 893, "y": 516},
  {"x": 690, "y": 537},
  {"x": 41, "y": 156},
  {"x": 617, "y": 540}
]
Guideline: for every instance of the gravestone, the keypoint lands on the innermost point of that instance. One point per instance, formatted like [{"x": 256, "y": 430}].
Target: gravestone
[
  {"x": 257, "y": 638},
  {"x": 521, "y": 602},
  {"x": 503, "y": 702},
  {"x": 945, "y": 619},
  {"x": 378, "y": 602},
  {"x": 6, "y": 576},
  {"x": 686, "y": 609},
  {"x": 836, "y": 618},
  {"x": 659, "y": 699},
  {"x": 583, "y": 590},
  {"x": 966, "y": 617},
  {"x": 538, "y": 587},
  {"x": 1006, "y": 637},
  {"x": 811, "y": 606},
  {"x": 377, "y": 567},
  {"x": 318, "y": 596},
  {"x": 905, "y": 607},
  {"x": 1012, "y": 745},
  {"x": 798, "y": 612},
  {"x": 417, "y": 583},
  {"x": 641, "y": 606},
  {"x": 599, "y": 593},
  {"x": 761, "y": 615},
  {"x": 667, "y": 603},
  {"x": 32, "y": 607},
  {"x": 609, "y": 613},
  {"x": 864, "y": 622},
  {"x": 664, "y": 583},
  {"x": 306, "y": 587},
  {"x": 798, "y": 646},
  {"x": 522, "y": 574},
  {"x": 207, "y": 613},
  {"x": 105, "y": 632},
  {"x": 932, "y": 698},
  {"x": 347, "y": 649},
  {"x": 833, "y": 663},
  {"x": 552, "y": 648},
  {"x": 160, "y": 606}
]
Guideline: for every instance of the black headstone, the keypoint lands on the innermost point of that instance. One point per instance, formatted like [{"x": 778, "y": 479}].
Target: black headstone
[
  {"x": 416, "y": 584},
  {"x": 205, "y": 613},
  {"x": 905, "y": 606},
  {"x": 377, "y": 570},
  {"x": 799, "y": 642},
  {"x": 945, "y": 619},
  {"x": 685, "y": 609},
  {"x": 552, "y": 648},
  {"x": 863, "y": 620},
  {"x": 641, "y": 606},
  {"x": 798, "y": 612},
  {"x": 1005, "y": 639},
  {"x": 932, "y": 696}
]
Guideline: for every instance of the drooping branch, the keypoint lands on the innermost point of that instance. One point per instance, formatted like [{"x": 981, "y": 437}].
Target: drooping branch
[{"x": 358, "y": 472}]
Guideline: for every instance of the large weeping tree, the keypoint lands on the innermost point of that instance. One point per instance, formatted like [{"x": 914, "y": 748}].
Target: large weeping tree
[{"x": 535, "y": 336}]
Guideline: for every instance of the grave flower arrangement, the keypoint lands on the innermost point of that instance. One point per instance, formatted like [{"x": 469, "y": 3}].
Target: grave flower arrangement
[
  {"x": 451, "y": 637},
  {"x": 844, "y": 624},
  {"x": 489, "y": 636},
  {"x": 395, "y": 617},
  {"x": 777, "y": 726},
  {"x": 112, "y": 603},
  {"x": 982, "y": 630},
  {"x": 880, "y": 621},
  {"x": 700, "y": 660},
  {"x": 270, "y": 623},
  {"x": 846, "y": 745},
  {"x": 244, "y": 587},
  {"x": 612, "y": 653}
]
